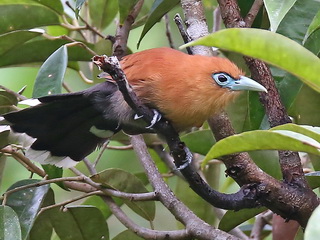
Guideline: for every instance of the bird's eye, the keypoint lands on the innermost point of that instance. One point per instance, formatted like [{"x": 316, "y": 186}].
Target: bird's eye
[{"x": 221, "y": 79}]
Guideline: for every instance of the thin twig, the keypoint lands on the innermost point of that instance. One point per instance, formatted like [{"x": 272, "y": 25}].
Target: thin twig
[
  {"x": 127, "y": 147},
  {"x": 70, "y": 201},
  {"x": 90, "y": 166},
  {"x": 115, "y": 193},
  {"x": 38, "y": 184},
  {"x": 103, "y": 148},
  {"x": 88, "y": 26},
  {"x": 84, "y": 78},
  {"x": 141, "y": 231},
  {"x": 17, "y": 95},
  {"x": 168, "y": 32},
  {"x": 73, "y": 42},
  {"x": 255, "y": 8},
  {"x": 123, "y": 30},
  {"x": 261, "y": 220},
  {"x": 185, "y": 36}
]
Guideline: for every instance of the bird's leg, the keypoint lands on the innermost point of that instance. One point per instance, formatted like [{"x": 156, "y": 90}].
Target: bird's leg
[
  {"x": 156, "y": 118},
  {"x": 187, "y": 161}
]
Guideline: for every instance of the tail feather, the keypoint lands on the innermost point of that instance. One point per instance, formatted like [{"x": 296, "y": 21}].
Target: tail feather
[{"x": 68, "y": 124}]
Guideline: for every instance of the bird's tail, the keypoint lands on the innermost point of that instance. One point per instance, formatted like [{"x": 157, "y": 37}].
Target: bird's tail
[{"x": 67, "y": 127}]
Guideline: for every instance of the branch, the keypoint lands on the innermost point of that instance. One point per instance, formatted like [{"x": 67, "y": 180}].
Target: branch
[
  {"x": 195, "y": 226},
  {"x": 122, "y": 34},
  {"x": 141, "y": 231},
  {"x": 289, "y": 161}
]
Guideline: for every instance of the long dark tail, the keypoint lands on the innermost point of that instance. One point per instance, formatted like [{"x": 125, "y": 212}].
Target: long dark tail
[{"x": 70, "y": 124}]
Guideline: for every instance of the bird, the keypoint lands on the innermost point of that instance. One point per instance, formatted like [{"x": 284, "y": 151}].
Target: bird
[{"x": 185, "y": 89}]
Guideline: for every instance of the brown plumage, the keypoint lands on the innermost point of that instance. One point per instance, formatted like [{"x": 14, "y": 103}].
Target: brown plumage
[{"x": 185, "y": 89}]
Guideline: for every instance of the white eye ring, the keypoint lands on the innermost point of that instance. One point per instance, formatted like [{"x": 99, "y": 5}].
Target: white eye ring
[{"x": 221, "y": 79}]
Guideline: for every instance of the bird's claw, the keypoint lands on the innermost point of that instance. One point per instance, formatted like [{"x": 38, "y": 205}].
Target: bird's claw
[
  {"x": 187, "y": 161},
  {"x": 156, "y": 118},
  {"x": 136, "y": 116}
]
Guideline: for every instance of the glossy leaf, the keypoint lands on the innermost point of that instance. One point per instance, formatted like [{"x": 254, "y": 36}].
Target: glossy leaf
[
  {"x": 295, "y": 24},
  {"x": 263, "y": 140},
  {"x": 90, "y": 222},
  {"x": 50, "y": 76},
  {"x": 310, "y": 131},
  {"x": 199, "y": 141},
  {"x": 125, "y": 7},
  {"x": 7, "y": 102},
  {"x": 4, "y": 139},
  {"x": 313, "y": 42},
  {"x": 78, "y": 222},
  {"x": 12, "y": 39},
  {"x": 9, "y": 224},
  {"x": 313, "y": 179},
  {"x": 27, "y": 203},
  {"x": 42, "y": 227},
  {"x": 97, "y": 202},
  {"x": 126, "y": 182},
  {"x": 314, "y": 25},
  {"x": 54, "y": 5},
  {"x": 127, "y": 234},
  {"x": 270, "y": 47},
  {"x": 277, "y": 10},
  {"x": 234, "y": 218},
  {"x": 54, "y": 172},
  {"x": 102, "y": 12},
  {"x": 312, "y": 231},
  {"x": 24, "y": 15},
  {"x": 158, "y": 10},
  {"x": 38, "y": 50}
]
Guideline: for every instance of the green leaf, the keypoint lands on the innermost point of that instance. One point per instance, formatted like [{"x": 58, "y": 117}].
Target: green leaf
[
  {"x": 25, "y": 15},
  {"x": 232, "y": 219},
  {"x": 312, "y": 230},
  {"x": 12, "y": 39},
  {"x": 78, "y": 222},
  {"x": 27, "y": 203},
  {"x": 42, "y": 227},
  {"x": 4, "y": 140},
  {"x": 199, "y": 141},
  {"x": 277, "y": 10},
  {"x": 127, "y": 234},
  {"x": 295, "y": 24},
  {"x": 313, "y": 43},
  {"x": 97, "y": 202},
  {"x": 54, "y": 172},
  {"x": 9, "y": 224},
  {"x": 310, "y": 131},
  {"x": 263, "y": 140},
  {"x": 90, "y": 222},
  {"x": 126, "y": 182},
  {"x": 125, "y": 7},
  {"x": 304, "y": 107},
  {"x": 50, "y": 76},
  {"x": 7, "y": 102},
  {"x": 158, "y": 10},
  {"x": 313, "y": 179},
  {"x": 314, "y": 25},
  {"x": 102, "y": 12},
  {"x": 39, "y": 49},
  {"x": 54, "y": 5},
  {"x": 270, "y": 47}
]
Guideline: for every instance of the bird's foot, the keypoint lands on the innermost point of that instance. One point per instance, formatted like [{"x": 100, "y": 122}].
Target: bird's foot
[
  {"x": 156, "y": 118},
  {"x": 187, "y": 161}
]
